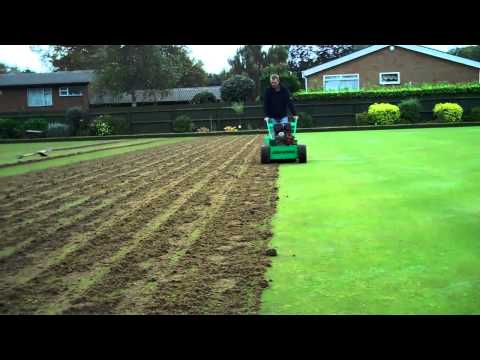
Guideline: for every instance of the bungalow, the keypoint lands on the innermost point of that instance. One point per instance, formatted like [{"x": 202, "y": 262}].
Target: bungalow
[
  {"x": 383, "y": 65},
  {"x": 56, "y": 92}
]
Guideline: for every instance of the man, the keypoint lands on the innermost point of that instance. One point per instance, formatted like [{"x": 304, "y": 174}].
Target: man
[
  {"x": 276, "y": 104},
  {"x": 277, "y": 101}
]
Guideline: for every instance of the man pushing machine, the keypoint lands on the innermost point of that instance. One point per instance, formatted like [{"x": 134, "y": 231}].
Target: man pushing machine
[{"x": 276, "y": 104}]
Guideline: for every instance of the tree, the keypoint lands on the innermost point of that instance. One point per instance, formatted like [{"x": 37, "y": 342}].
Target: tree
[
  {"x": 217, "y": 79},
  {"x": 302, "y": 57},
  {"x": 74, "y": 57},
  {"x": 193, "y": 74},
  {"x": 469, "y": 52},
  {"x": 128, "y": 68},
  {"x": 4, "y": 69},
  {"x": 238, "y": 88},
  {"x": 250, "y": 60}
]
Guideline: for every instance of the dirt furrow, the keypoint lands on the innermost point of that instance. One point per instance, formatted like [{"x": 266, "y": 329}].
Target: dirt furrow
[
  {"x": 16, "y": 185},
  {"x": 40, "y": 181},
  {"x": 185, "y": 236},
  {"x": 81, "y": 197},
  {"x": 38, "y": 199},
  {"x": 88, "y": 247},
  {"x": 222, "y": 271},
  {"x": 129, "y": 280},
  {"x": 117, "y": 208}
]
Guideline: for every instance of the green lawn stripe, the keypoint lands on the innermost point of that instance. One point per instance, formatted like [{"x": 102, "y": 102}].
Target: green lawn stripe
[{"x": 379, "y": 223}]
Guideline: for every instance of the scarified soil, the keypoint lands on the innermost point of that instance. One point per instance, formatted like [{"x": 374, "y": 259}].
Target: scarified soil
[{"x": 178, "y": 229}]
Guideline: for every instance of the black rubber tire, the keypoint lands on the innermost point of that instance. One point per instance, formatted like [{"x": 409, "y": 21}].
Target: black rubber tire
[
  {"x": 302, "y": 154},
  {"x": 265, "y": 154}
]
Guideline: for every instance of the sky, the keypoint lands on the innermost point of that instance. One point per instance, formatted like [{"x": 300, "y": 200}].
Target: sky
[{"x": 214, "y": 57}]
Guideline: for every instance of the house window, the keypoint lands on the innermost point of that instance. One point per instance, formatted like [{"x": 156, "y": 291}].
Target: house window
[
  {"x": 387, "y": 78},
  {"x": 341, "y": 82},
  {"x": 39, "y": 97},
  {"x": 70, "y": 91}
]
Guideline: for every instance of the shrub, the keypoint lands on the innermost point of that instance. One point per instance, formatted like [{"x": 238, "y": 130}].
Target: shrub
[
  {"x": 362, "y": 119},
  {"x": 474, "y": 114},
  {"x": 120, "y": 126},
  {"x": 10, "y": 128},
  {"x": 404, "y": 91},
  {"x": 237, "y": 88},
  {"x": 448, "y": 112},
  {"x": 305, "y": 120},
  {"x": 230, "y": 129},
  {"x": 58, "y": 130},
  {"x": 182, "y": 124},
  {"x": 74, "y": 117},
  {"x": 102, "y": 125},
  {"x": 36, "y": 124},
  {"x": 410, "y": 110},
  {"x": 204, "y": 97},
  {"x": 383, "y": 114},
  {"x": 203, "y": 130},
  {"x": 238, "y": 107}
]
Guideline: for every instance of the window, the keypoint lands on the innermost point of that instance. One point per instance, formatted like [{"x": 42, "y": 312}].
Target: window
[
  {"x": 70, "y": 91},
  {"x": 389, "y": 78},
  {"x": 39, "y": 97},
  {"x": 341, "y": 82}
]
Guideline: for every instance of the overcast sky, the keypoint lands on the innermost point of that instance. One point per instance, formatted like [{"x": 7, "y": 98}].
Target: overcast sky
[{"x": 214, "y": 57}]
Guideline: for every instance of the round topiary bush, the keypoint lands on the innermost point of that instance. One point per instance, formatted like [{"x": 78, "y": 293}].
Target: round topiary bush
[
  {"x": 182, "y": 124},
  {"x": 410, "y": 110},
  {"x": 448, "y": 112},
  {"x": 205, "y": 97},
  {"x": 237, "y": 88},
  {"x": 384, "y": 114}
]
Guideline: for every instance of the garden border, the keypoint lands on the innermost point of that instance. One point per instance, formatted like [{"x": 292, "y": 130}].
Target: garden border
[{"x": 245, "y": 132}]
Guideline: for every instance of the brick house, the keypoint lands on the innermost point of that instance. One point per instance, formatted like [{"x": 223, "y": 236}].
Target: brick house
[
  {"x": 48, "y": 92},
  {"x": 383, "y": 65},
  {"x": 56, "y": 92}
]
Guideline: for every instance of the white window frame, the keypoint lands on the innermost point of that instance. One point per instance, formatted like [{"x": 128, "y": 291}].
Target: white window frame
[
  {"x": 65, "y": 91},
  {"x": 357, "y": 77},
  {"x": 389, "y": 82},
  {"x": 44, "y": 104}
]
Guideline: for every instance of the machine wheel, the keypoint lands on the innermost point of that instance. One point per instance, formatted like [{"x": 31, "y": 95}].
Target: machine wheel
[
  {"x": 302, "y": 154},
  {"x": 265, "y": 154}
]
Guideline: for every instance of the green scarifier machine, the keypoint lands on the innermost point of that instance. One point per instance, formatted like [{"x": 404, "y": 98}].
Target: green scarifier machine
[{"x": 282, "y": 146}]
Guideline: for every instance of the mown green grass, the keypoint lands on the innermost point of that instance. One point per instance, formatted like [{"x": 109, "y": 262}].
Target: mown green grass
[
  {"x": 379, "y": 222},
  {"x": 10, "y": 151}
]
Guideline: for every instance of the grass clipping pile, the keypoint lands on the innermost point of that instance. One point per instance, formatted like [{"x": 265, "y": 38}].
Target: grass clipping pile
[{"x": 178, "y": 229}]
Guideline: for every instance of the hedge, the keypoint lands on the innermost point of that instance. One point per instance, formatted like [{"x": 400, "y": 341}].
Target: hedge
[{"x": 392, "y": 92}]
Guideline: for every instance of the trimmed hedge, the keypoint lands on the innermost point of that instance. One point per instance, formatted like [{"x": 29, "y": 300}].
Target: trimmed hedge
[
  {"x": 384, "y": 114},
  {"x": 393, "y": 92},
  {"x": 448, "y": 112}
]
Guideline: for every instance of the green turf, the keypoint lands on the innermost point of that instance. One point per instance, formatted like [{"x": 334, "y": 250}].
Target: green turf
[
  {"x": 110, "y": 149},
  {"x": 379, "y": 222}
]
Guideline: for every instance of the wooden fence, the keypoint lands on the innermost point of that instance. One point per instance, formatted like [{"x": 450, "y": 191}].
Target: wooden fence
[{"x": 159, "y": 119}]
